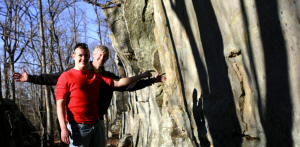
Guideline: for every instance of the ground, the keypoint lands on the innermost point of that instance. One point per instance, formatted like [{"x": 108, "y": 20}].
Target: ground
[{"x": 113, "y": 140}]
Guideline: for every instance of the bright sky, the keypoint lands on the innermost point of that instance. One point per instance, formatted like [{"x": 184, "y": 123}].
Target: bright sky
[{"x": 90, "y": 18}]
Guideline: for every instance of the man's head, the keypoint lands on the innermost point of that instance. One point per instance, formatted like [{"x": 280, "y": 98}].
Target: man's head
[
  {"x": 81, "y": 56},
  {"x": 100, "y": 54}
]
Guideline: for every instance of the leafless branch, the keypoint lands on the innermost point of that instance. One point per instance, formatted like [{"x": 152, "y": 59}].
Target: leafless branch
[{"x": 108, "y": 4}]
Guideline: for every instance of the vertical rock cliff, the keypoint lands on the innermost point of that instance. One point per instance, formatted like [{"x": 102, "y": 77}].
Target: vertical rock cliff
[{"x": 232, "y": 71}]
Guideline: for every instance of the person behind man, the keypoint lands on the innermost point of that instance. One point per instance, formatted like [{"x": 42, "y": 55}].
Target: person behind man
[
  {"x": 77, "y": 89},
  {"x": 100, "y": 56}
]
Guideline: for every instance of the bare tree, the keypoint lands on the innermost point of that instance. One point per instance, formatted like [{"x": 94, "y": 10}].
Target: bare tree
[
  {"x": 85, "y": 29},
  {"x": 1, "y": 98},
  {"x": 108, "y": 4},
  {"x": 47, "y": 92},
  {"x": 74, "y": 27},
  {"x": 6, "y": 28},
  {"x": 14, "y": 40},
  {"x": 40, "y": 41},
  {"x": 54, "y": 12},
  {"x": 98, "y": 22}
]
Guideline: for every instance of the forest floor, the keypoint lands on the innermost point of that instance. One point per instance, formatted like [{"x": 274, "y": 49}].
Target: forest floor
[{"x": 113, "y": 140}]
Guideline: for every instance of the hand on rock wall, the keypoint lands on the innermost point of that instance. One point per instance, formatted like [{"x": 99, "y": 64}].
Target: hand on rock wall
[{"x": 159, "y": 78}]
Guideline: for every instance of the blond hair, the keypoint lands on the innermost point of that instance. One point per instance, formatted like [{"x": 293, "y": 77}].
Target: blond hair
[{"x": 101, "y": 48}]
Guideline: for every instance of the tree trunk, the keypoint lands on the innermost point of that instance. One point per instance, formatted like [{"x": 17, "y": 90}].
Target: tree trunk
[
  {"x": 5, "y": 38},
  {"x": 42, "y": 117},
  {"x": 1, "y": 98},
  {"x": 99, "y": 24},
  {"x": 53, "y": 34},
  {"x": 47, "y": 94},
  {"x": 12, "y": 84},
  {"x": 74, "y": 26},
  {"x": 5, "y": 72}
]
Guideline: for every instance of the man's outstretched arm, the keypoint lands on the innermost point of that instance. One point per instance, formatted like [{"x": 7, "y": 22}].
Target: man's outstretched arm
[
  {"x": 42, "y": 79},
  {"x": 142, "y": 83},
  {"x": 126, "y": 81}
]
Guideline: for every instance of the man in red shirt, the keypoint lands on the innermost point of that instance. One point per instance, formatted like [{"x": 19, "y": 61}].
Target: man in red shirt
[{"x": 78, "y": 89}]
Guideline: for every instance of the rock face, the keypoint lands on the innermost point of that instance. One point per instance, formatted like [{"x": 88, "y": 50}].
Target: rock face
[{"x": 232, "y": 71}]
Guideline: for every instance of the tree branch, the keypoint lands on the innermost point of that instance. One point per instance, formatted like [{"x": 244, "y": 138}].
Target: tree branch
[{"x": 104, "y": 6}]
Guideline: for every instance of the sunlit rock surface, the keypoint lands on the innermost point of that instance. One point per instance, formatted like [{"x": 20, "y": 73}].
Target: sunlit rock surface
[{"x": 232, "y": 71}]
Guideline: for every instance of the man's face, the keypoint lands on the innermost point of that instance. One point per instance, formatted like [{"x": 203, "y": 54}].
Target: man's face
[
  {"x": 81, "y": 58},
  {"x": 100, "y": 57}
]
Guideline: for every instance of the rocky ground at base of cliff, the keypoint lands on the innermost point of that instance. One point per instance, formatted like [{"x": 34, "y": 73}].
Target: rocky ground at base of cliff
[{"x": 112, "y": 142}]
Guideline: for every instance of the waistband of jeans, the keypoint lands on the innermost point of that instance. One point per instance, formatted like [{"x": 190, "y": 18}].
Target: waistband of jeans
[{"x": 75, "y": 123}]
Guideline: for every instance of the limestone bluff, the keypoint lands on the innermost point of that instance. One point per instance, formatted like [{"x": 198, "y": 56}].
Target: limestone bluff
[{"x": 231, "y": 66}]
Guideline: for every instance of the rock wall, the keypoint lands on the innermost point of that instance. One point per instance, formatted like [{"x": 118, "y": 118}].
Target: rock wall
[{"x": 232, "y": 71}]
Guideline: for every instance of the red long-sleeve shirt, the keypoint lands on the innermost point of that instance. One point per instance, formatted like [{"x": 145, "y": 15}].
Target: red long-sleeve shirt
[{"x": 80, "y": 89}]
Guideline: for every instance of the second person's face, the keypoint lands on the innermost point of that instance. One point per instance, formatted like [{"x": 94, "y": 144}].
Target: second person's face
[{"x": 101, "y": 57}]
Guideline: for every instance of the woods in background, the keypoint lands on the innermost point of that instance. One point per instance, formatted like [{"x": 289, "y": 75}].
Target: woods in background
[{"x": 38, "y": 36}]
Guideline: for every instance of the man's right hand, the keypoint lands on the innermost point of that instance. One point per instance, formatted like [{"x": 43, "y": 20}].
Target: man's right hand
[
  {"x": 20, "y": 77},
  {"x": 65, "y": 133},
  {"x": 147, "y": 74}
]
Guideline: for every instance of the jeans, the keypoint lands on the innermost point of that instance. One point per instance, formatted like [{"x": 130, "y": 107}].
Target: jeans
[
  {"x": 102, "y": 133},
  {"x": 84, "y": 135}
]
